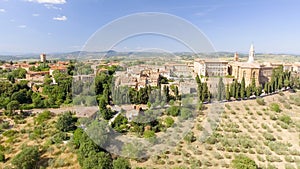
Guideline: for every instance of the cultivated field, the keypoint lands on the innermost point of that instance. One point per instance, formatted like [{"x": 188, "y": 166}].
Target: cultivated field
[{"x": 268, "y": 134}]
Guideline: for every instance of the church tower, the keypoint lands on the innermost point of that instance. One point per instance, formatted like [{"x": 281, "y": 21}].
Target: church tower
[
  {"x": 251, "y": 54},
  {"x": 236, "y": 57}
]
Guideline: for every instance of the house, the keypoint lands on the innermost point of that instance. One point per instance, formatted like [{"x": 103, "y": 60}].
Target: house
[
  {"x": 62, "y": 69},
  {"x": 36, "y": 76}
]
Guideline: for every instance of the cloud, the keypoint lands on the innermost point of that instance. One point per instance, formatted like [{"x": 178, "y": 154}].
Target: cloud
[
  {"x": 51, "y": 6},
  {"x": 22, "y": 26},
  {"x": 60, "y": 18},
  {"x": 2, "y": 10},
  {"x": 48, "y": 1},
  {"x": 35, "y": 14}
]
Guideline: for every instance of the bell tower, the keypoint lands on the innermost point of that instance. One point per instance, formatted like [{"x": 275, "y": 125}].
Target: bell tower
[{"x": 251, "y": 54}]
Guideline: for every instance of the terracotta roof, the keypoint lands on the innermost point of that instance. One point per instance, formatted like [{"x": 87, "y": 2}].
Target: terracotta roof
[{"x": 58, "y": 68}]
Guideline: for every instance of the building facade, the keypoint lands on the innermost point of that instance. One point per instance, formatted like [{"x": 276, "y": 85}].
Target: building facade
[{"x": 211, "y": 68}]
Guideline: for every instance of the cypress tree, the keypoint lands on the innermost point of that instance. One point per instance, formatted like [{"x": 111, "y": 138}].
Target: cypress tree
[
  {"x": 204, "y": 93},
  {"x": 248, "y": 91},
  {"x": 243, "y": 86},
  {"x": 237, "y": 91},
  {"x": 221, "y": 89},
  {"x": 227, "y": 92}
]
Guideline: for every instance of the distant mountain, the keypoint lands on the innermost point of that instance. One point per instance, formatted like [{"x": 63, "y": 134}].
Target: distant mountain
[{"x": 83, "y": 55}]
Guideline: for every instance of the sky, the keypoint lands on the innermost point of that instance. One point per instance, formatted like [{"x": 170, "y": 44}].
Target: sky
[{"x": 35, "y": 26}]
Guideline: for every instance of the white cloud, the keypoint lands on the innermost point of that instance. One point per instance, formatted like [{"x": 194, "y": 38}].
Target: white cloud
[
  {"x": 48, "y": 1},
  {"x": 22, "y": 26},
  {"x": 2, "y": 10},
  {"x": 51, "y": 6},
  {"x": 60, "y": 18},
  {"x": 35, "y": 14}
]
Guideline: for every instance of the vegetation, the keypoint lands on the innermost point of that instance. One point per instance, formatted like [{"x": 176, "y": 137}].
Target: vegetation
[
  {"x": 66, "y": 122},
  {"x": 27, "y": 158},
  {"x": 275, "y": 107},
  {"x": 243, "y": 162}
]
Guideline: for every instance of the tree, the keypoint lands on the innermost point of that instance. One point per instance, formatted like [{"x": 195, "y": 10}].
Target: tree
[
  {"x": 286, "y": 82},
  {"x": 233, "y": 88},
  {"x": 198, "y": 79},
  {"x": 166, "y": 92},
  {"x": 253, "y": 85},
  {"x": 237, "y": 93},
  {"x": 21, "y": 96},
  {"x": 266, "y": 87},
  {"x": 243, "y": 162},
  {"x": 221, "y": 89},
  {"x": 77, "y": 137},
  {"x": 105, "y": 112},
  {"x": 37, "y": 100},
  {"x": 227, "y": 92},
  {"x": 13, "y": 106},
  {"x": 258, "y": 91},
  {"x": 27, "y": 158},
  {"x": 119, "y": 124},
  {"x": 243, "y": 87},
  {"x": 11, "y": 78},
  {"x": 97, "y": 160},
  {"x": 248, "y": 91},
  {"x": 66, "y": 122},
  {"x": 205, "y": 92},
  {"x": 99, "y": 132},
  {"x": 121, "y": 163}
]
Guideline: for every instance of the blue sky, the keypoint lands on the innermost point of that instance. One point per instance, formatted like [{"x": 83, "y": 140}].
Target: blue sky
[{"x": 29, "y": 26}]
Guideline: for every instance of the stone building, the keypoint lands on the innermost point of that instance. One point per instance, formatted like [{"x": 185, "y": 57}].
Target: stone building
[
  {"x": 252, "y": 70},
  {"x": 211, "y": 68},
  {"x": 43, "y": 57}
]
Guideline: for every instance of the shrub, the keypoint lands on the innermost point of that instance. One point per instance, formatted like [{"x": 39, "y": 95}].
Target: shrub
[
  {"x": 10, "y": 133},
  {"x": 59, "y": 137},
  {"x": 189, "y": 137},
  {"x": 289, "y": 166},
  {"x": 169, "y": 121},
  {"x": 260, "y": 101},
  {"x": 4, "y": 125},
  {"x": 66, "y": 122},
  {"x": 273, "y": 159},
  {"x": 275, "y": 107},
  {"x": 287, "y": 106},
  {"x": 27, "y": 158},
  {"x": 173, "y": 111},
  {"x": 149, "y": 134},
  {"x": 289, "y": 159},
  {"x": 286, "y": 119},
  {"x": 269, "y": 136},
  {"x": 243, "y": 162},
  {"x": 2, "y": 157},
  {"x": 42, "y": 117}
]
